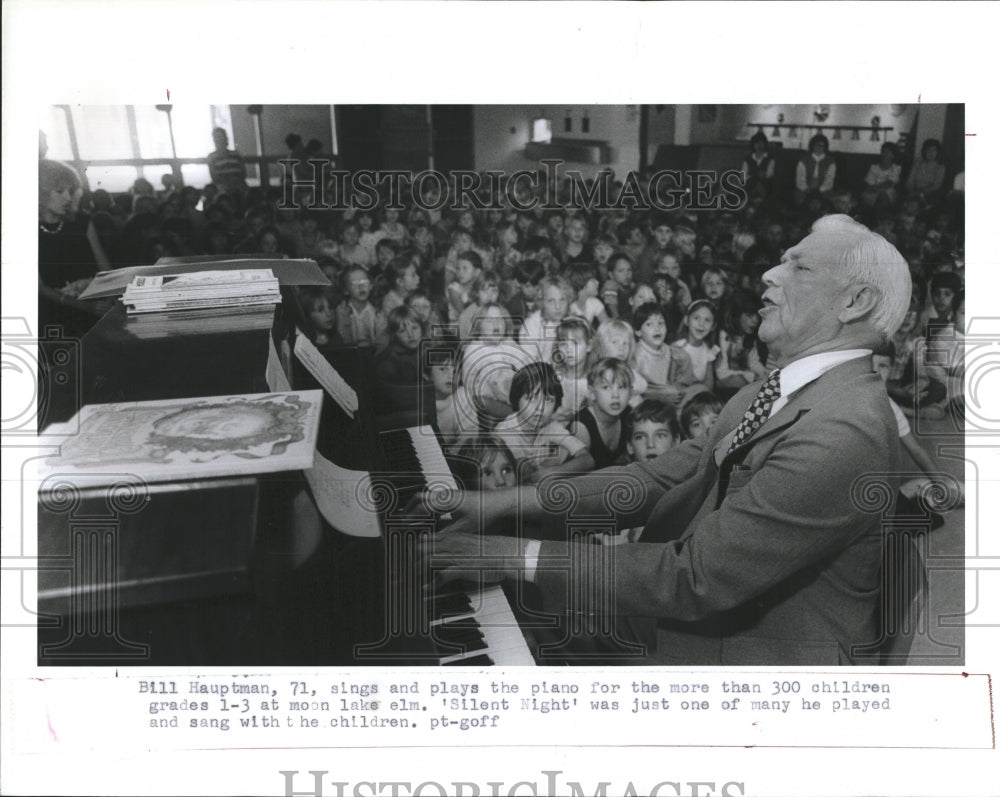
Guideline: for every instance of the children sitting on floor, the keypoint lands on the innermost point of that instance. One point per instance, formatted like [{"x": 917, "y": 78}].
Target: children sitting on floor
[
  {"x": 666, "y": 368},
  {"x": 538, "y": 335},
  {"x": 540, "y": 445},
  {"x": 601, "y": 425},
  {"x": 699, "y": 414},
  {"x": 570, "y": 362}
]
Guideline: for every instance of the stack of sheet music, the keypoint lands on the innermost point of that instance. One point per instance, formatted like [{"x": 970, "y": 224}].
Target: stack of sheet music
[{"x": 202, "y": 291}]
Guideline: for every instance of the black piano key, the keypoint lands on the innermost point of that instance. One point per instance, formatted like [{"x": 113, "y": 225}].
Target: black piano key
[
  {"x": 473, "y": 661},
  {"x": 449, "y": 604}
]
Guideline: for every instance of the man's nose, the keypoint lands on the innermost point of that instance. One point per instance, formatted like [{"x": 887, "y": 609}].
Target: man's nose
[{"x": 770, "y": 277}]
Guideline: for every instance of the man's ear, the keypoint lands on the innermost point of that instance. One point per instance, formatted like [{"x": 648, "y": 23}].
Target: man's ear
[
  {"x": 630, "y": 449},
  {"x": 859, "y": 301}
]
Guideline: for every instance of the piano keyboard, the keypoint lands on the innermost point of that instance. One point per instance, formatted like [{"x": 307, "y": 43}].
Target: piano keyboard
[
  {"x": 413, "y": 456},
  {"x": 475, "y": 627},
  {"x": 481, "y": 624}
]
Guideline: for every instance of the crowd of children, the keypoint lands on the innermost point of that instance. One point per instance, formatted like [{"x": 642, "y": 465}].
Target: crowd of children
[{"x": 573, "y": 338}]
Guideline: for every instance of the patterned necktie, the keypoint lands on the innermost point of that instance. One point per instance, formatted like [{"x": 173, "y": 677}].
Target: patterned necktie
[{"x": 758, "y": 410}]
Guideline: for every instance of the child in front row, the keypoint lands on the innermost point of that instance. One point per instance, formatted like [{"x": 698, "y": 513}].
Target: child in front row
[
  {"x": 652, "y": 430},
  {"x": 485, "y": 463},
  {"x": 601, "y": 425},
  {"x": 666, "y": 368},
  {"x": 699, "y": 413},
  {"x": 540, "y": 445}
]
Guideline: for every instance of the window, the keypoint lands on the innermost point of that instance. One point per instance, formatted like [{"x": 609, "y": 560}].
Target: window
[{"x": 115, "y": 144}]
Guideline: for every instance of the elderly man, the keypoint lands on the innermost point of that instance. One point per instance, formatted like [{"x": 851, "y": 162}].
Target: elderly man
[{"x": 757, "y": 548}]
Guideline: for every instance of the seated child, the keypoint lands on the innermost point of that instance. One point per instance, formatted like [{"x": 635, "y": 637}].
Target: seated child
[
  {"x": 539, "y": 332},
  {"x": 882, "y": 359},
  {"x": 667, "y": 369},
  {"x": 616, "y": 291},
  {"x": 615, "y": 338},
  {"x": 459, "y": 292},
  {"x": 484, "y": 463},
  {"x": 356, "y": 321},
  {"x": 740, "y": 361},
  {"x": 604, "y": 248},
  {"x": 586, "y": 305},
  {"x": 322, "y": 321},
  {"x": 419, "y": 301},
  {"x": 699, "y": 414},
  {"x": 485, "y": 290},
  {"x": 540, "y": 445},
  {"x": 439, "y": 368},
  {"x": 602, "y": 423},
  {"x": 652, "y": 429},
  {"x": 699, "y": 341},
  {"x": 528, "y": 274},
  {"x": 570, "y": 361},
  {"x": 489, "y": 362},
  {"x": 399, "y": 362}
]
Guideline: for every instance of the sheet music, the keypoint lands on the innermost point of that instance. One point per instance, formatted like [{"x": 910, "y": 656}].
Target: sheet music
[
  {"x": 337, "y": 491},
  {"x": 325, "y": 374}
]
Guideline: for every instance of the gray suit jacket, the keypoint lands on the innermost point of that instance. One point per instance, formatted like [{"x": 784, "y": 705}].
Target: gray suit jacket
[{"x": 767, "y": 556}]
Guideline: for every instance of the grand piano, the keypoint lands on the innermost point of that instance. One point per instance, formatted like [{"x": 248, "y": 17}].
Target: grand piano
[{"x": 246, "y": 571}]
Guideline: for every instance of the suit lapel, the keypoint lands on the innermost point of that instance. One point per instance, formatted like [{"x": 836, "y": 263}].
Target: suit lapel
[{"x": 798, "y": 405}]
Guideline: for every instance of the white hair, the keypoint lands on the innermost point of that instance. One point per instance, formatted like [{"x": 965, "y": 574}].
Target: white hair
[{"x": 870, "y": 260}]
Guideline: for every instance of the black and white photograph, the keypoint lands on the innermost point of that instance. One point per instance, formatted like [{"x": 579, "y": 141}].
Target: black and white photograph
[
  {"x": 391, "y": 428},
  {"x": 554, "y": 339}
]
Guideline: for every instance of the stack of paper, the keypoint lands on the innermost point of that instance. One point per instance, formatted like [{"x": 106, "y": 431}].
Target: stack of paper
[{"x": 202, "y": 290}]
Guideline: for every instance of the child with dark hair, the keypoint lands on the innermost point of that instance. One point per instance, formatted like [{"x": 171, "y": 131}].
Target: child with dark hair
[
  {"x": 439, "y": 367},
  {"x": 468, "y": 265},
  {"x": 321, "y": 319},
  {"x": 586, "y": 305},
  {"x": 351, "y": 250},
  {"x": 663, "y": 234},
  {"x": 699, "y": 341},
  {"x": 667, "y": 369},
  {"x": 741, "y": 354},
  {"x": 527, "y": 274},
  {"x": 816, "y": 171},
  {"x": 881, "y": 181},
  {"x": 400, "y": 277},
  {"x": 541, "y": 445},
  {"x": 927, "y": 173},
  {"x": 601, "y": 424},
  {"x": 605, "y": 246},
  {"x": 758, "y": 168},
  {"x": 619, "y": 288},
  {"x": 651, "y": 430},
  {"x": 699, "y": 414}
]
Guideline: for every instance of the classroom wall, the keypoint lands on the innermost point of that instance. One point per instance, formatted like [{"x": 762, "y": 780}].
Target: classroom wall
[
  {"x": 731, "y": 122},
  {"x": 501, "y": 132}
]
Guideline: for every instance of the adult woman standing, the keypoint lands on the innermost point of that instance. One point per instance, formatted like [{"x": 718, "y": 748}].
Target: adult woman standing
[{"x": 69, "y": 252}]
